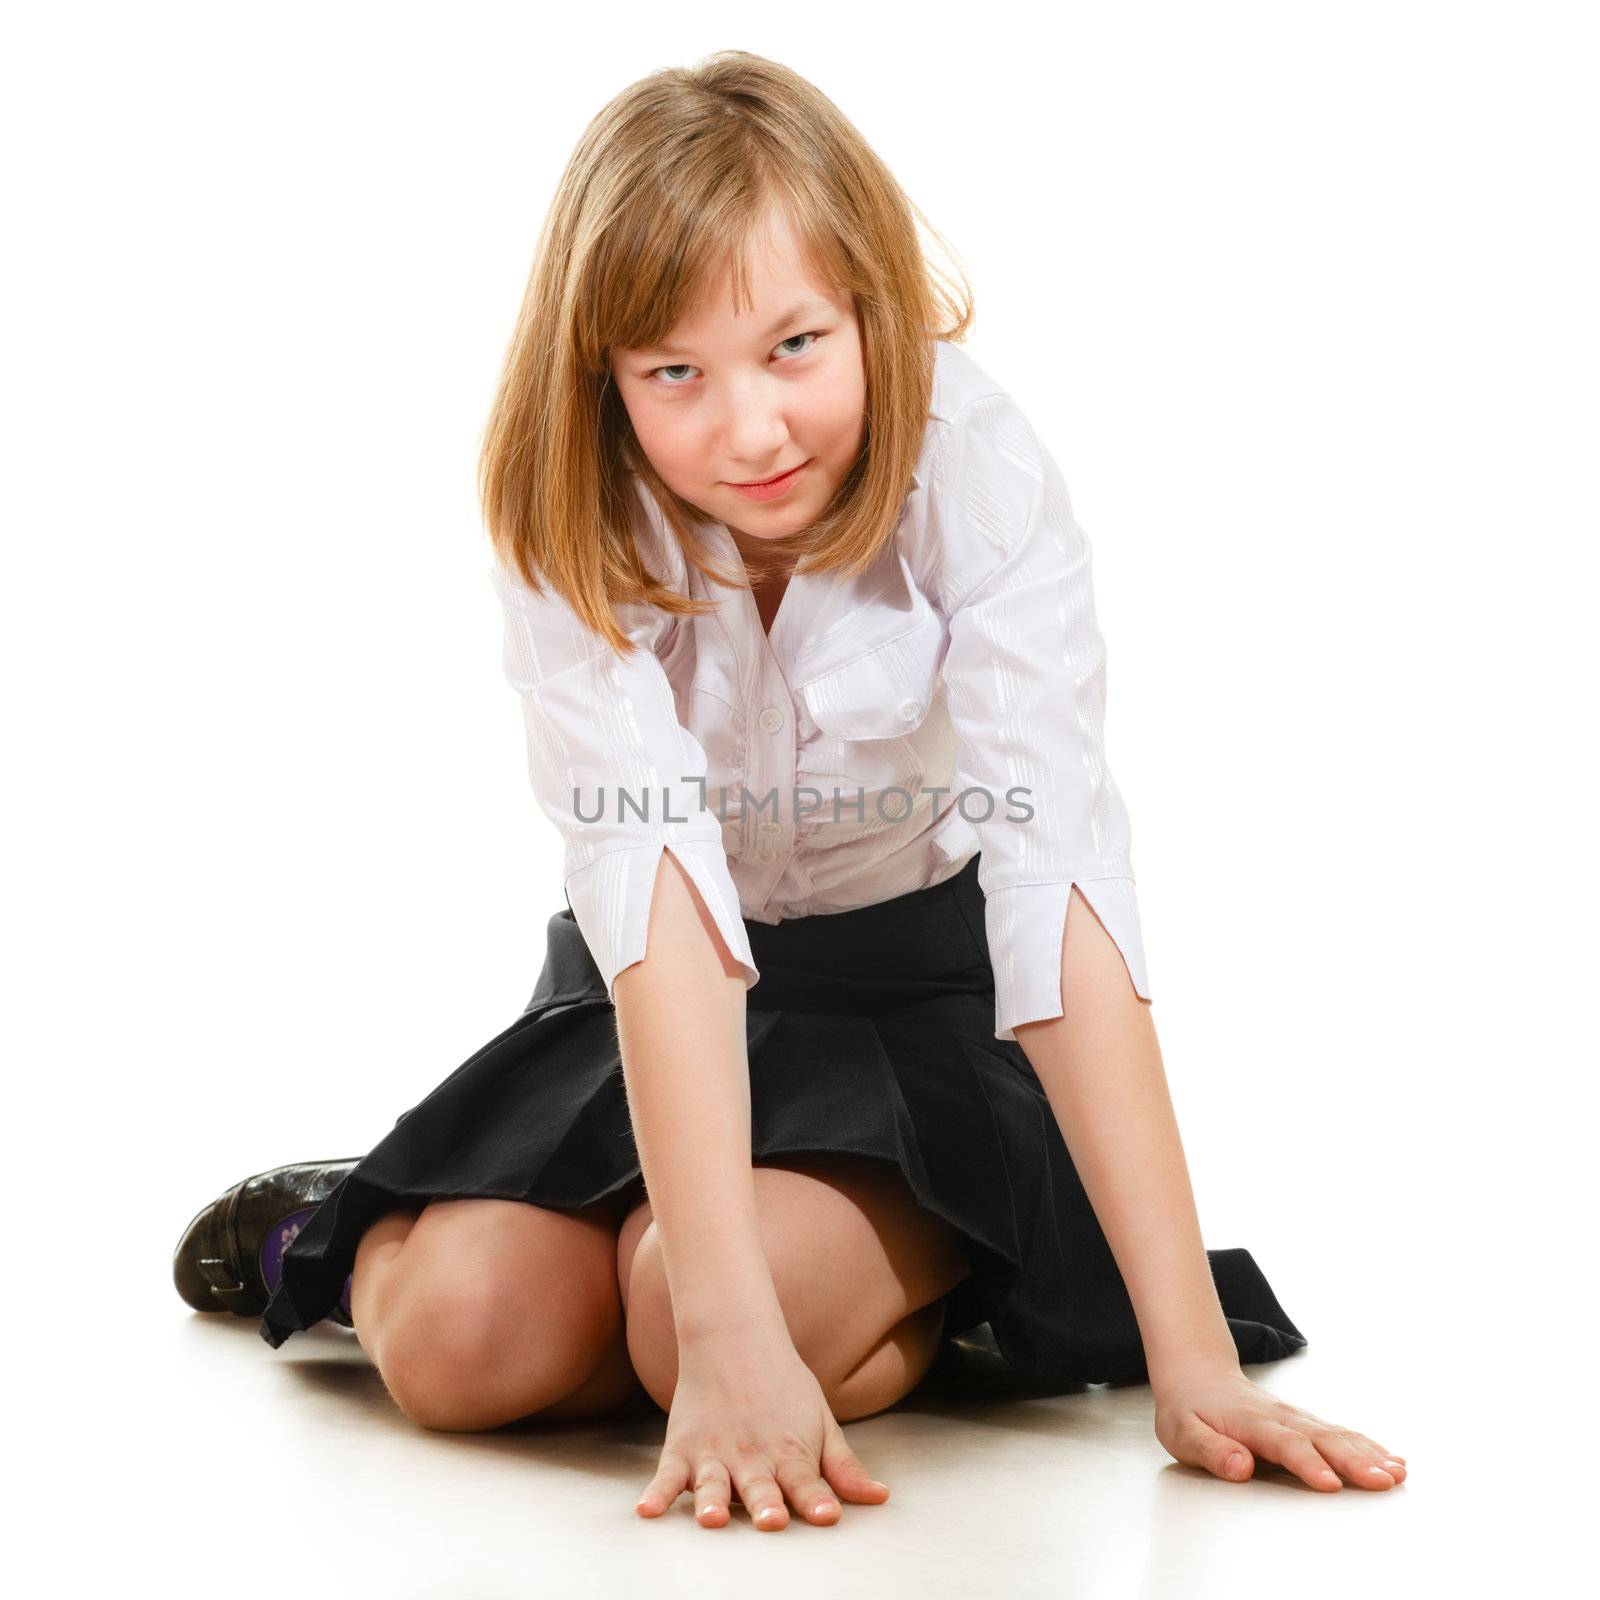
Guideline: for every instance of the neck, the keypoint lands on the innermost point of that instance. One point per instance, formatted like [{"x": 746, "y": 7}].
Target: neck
[{"x": 760, "y": 561}]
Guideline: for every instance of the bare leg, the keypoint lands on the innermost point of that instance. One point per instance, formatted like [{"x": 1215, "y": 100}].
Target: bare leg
[
  {"x": 480, "y": 1312},
  {"x": 894, "y": 1368},
  {"x": 861, "y": 1272},
  {"x": 374, "y": 1265}
]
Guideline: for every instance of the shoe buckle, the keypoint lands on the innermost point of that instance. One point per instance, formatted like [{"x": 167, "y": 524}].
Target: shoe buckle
[{"x": 218, "y": 1276}]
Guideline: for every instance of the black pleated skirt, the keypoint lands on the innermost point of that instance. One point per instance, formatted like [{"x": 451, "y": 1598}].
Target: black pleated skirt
[{"x": 871, "y": 1032}]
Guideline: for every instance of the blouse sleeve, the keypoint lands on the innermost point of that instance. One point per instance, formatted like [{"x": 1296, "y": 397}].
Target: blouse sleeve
[
  {"x": 605, "y": 743},
  {"x": 1025, "y": 680}
]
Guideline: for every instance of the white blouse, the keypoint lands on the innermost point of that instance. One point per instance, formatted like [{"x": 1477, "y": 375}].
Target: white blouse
[{"x": 949, "y": 699}]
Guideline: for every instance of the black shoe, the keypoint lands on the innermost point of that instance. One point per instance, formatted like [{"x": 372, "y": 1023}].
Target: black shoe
[{"x": 217, "y": 1265}]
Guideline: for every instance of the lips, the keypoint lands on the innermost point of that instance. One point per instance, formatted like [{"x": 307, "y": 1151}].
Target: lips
[
  {"x": 765, "y": 483},
  {"x": 770, "y": 490}
]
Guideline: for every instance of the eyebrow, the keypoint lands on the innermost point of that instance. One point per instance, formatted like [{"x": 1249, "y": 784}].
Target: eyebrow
[{"x": 806, "y": 308}]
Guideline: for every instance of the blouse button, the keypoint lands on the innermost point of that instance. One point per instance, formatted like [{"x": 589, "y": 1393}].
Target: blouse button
[
  {"x": 910, "y": 710},
  {"x": 768, "y": 855},
  {"x": 771, "y": 719},
  {"x": 771, "y": 827}
]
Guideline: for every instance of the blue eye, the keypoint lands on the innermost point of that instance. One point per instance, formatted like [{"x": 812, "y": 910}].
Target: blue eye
[{"x": 684, "y": 367}]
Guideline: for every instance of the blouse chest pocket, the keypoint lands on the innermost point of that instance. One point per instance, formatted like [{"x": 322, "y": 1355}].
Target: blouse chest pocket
[{"x": 883, "y": 693}]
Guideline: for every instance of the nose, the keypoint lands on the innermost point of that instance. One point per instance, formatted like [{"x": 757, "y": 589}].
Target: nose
[{"x": 755, "y": 434}]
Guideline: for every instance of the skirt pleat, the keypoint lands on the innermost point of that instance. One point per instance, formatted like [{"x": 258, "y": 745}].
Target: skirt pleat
[{"x": 870, "y": 1033}]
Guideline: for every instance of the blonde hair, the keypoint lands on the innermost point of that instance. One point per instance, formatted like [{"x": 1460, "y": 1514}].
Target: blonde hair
[{"x": 670, "y": 181}]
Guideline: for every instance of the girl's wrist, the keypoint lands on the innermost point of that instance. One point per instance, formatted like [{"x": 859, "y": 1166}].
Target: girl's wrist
[{"x": 1172, "y": 1367}]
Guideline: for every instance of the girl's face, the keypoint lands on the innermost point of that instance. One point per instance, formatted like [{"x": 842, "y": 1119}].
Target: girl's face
[{"x": 731, "y": 399}]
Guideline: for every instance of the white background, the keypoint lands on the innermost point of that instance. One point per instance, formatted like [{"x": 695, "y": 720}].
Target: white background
[{"x": 1302, "y": 297}]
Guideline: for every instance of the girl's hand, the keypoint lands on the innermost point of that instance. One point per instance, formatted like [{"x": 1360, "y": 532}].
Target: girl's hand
[
  {"x": 1215, "y": 1419},
  {"x": 754, "y": 1419}
]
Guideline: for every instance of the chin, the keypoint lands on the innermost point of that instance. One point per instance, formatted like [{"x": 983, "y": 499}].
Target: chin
[{"x": 768, "y": 522}]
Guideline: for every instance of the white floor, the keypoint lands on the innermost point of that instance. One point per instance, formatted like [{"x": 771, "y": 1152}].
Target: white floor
[{"x": 197, "y": 1461}]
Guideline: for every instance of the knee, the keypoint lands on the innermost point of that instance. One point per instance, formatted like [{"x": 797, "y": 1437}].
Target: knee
[
  {"x": 438, "y": 1352},
  {"x": 855, "y": 1384},
  {"x": 892, "y": 1369},
  {"x": 855, "y": 1381},
  {"x": 652, "y": 1335}
]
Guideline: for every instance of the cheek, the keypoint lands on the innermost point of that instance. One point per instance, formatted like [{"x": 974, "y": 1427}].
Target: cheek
[
  {"x": 844, "y": 430},
  {"x": 839, "y": 415},
  {"x": 671, "y": 445},
  {"x": 845, "y": 396}
]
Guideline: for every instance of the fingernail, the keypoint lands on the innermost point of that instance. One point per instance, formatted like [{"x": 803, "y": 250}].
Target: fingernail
[
  {"x": 872, "y": 1483},
  {"x": 1393, "y": 1466},
  {"x": 1236, "y": 1463}
]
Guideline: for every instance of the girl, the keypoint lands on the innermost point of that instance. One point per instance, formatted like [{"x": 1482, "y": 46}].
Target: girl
[{"x": 841, "y": 1044}]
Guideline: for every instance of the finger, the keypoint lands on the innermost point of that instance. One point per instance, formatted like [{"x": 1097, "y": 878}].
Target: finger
[
  {"x": 712, "y": 1495},
  {"x": 1375, "y": 1453},
  {"x": 1387, "y": 1459},
  {"x": 1201, "y": 1445},
  {"x": 844, "y": 1471},
  {"x": 807, "y": 1493},
  {"x": 1294, "y": 1452},
  {"x": 671, "y": 1479},
  {"x": 1347, "y": 1453},
  {"x": 762, "y": 1498},
  {"x": 1370, "y": 1452}
]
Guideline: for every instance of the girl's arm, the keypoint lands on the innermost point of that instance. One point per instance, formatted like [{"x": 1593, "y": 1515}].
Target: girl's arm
[
  {"x": 616, "y": 772},
  {"x": 1025, "y": 671},
  {"x": 1101, "y": 1069},
  {"x": 620, "y": 776},
  {"x": 746, "y": 1414},
  {"x": 681, "y": 1022}
]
